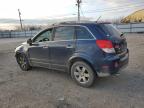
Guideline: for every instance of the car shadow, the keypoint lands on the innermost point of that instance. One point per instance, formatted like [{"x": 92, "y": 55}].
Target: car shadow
[{"x": 125, "y": 82}]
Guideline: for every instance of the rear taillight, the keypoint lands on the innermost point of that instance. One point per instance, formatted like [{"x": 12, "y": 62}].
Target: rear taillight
[{"x": 105, "y": 45}]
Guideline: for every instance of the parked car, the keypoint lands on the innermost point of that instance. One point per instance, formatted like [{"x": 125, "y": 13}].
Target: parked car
[{"x": 85, "y": 50}]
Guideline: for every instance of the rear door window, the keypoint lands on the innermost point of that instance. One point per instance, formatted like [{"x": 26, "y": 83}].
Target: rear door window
[
  {"x": 64, "y": 33},
  {"x": 83, "y": 33}
]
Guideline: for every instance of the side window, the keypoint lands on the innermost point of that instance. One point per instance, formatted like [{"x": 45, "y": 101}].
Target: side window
[
  {"x": 64, "y": 33},
  {"x": 83, "y": 33},
  {"x": 44, "y": 36}
]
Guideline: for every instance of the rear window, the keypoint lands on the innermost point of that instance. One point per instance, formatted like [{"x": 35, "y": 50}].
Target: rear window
[
  {"x": 109, "y": 30},
  {"x": 64, "y": 33},
  {"x": 104, "y": 31}
]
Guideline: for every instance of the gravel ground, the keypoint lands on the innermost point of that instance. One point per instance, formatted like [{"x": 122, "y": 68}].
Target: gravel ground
[{"x": 43, "y": 88}]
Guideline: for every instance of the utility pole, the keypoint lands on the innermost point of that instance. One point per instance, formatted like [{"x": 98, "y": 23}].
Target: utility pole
[
  {"x": 78, "y": 5},
  {"x": 20, "y": 19}
]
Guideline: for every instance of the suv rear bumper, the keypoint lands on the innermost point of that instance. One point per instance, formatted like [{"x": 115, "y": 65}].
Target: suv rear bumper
[{"x": 113, "y": 65}]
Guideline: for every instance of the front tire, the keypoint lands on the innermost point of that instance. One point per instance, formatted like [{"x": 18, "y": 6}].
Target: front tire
[
  {"x": 82, "y": 73},
  {"x": 23, "y": 62}
]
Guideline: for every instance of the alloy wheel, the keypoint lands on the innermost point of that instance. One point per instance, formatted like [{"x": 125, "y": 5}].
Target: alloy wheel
[{"x": 81, "y": 74}]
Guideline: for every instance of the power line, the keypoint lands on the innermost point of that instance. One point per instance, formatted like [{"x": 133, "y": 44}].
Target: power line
[
  {"x": 118, "y": 2},
  {"x": 114, "y": 9},
  {"x": 108, "y": 12},
  {"x": 119, "y": 7},
  {"x": 124, "y": 5}
]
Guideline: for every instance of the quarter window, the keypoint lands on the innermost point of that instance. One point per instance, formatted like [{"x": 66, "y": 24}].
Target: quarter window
[
  {"x": 64, "y": 33},
  {"x": 83, "y": 33}
]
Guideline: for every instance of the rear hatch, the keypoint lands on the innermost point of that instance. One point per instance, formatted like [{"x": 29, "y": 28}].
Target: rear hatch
[{"x": 106, "y": 31}]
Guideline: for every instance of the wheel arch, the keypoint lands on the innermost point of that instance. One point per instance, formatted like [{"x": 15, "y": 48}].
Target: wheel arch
[
  {"x": 20, "y": 52},
  {"x": 80, "y": 58}
]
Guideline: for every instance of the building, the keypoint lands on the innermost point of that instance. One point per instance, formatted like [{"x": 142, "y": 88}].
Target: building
[{"x": 137, "y": 16}]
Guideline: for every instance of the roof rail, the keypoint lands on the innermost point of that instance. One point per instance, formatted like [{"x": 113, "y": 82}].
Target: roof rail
[
  {"x": 71, "y": 22},
  {"x": 68, "y": 22}
]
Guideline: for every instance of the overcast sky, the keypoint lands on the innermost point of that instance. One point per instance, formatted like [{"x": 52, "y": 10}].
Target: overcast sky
[{"x": 50, "y": 9}]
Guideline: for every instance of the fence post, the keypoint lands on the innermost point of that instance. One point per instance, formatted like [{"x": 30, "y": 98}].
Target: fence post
[
  {"x": 130, "y": 27},
  {"x": 31, "y": 33},
  {"x": 10, "y": 34},
  {"x": 25, "y": 33},
  {"x": 2, "y": 34}
]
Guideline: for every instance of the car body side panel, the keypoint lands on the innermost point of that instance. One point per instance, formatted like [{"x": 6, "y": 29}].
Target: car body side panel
[
  {"x": 88, "y": 50},
  {"x": 39, "y": 54},
  {"x": 60, "y": 52}
]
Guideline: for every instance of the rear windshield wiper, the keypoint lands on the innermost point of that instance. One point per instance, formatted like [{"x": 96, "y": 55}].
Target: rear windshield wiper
[{"x": 122, "y": 36}]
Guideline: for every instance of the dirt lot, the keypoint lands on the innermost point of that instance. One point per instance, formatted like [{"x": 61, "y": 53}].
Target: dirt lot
[{"x": 43, "y": 88}]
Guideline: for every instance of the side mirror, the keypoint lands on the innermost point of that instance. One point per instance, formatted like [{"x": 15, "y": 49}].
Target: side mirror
[{"x": 29, "y": 41}]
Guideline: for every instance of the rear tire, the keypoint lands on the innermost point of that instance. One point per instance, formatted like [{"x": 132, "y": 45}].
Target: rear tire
[
  {"x": 83, "y": 74},
  {"x": 23, "y": 62}
]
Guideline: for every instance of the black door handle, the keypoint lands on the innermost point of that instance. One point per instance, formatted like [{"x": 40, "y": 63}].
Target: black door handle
[{"x": 69, "y": 46}]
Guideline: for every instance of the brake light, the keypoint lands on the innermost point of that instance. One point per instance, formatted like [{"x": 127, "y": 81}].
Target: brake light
[{"x": 105, "y": 45}]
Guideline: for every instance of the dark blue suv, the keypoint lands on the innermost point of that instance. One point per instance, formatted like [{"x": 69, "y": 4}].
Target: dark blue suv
[{"x": 85, "y": 50}]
